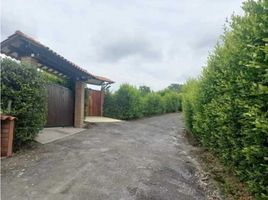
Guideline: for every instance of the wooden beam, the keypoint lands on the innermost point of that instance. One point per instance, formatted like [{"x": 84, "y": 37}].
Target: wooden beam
[{"x": 44, "y": 67}]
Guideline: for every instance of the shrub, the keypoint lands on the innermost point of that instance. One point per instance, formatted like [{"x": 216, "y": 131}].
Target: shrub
[
  {"x": 175, "y": 87},
  {"x": 53, "y": 79},
  {"x": 131, "y": 103},
  {"x": 144, "y": 90},
  {"x": 24, "y": 87},
  {"x": 189, "y": 98},
  {"x": 172, "y": 101},
  {"x": 86, "y": 102},
  {"x": 109, "y": 105},
  {"x": 128, "y": 102},
  {"x": 228, "y": 108},
  {"x": 153, "y": 104}
]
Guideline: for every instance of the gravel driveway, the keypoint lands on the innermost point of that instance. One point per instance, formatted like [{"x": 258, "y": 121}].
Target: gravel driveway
[{"x": 142, "y": 159}]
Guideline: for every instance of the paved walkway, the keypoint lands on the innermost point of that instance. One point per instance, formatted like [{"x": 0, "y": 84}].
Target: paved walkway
[
  {"x": 143, "y": 159},
  {"x": 48, "y": 135},
  {"x": 97, "y": 119}
]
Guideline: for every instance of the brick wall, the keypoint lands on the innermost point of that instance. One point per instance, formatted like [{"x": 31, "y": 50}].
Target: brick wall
[{"x": 7, "y": 127}]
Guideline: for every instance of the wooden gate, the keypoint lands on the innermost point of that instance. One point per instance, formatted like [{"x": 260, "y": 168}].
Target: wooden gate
[
  {"x": 60, "y": 106},
  {"x": 95, "y": 103}
]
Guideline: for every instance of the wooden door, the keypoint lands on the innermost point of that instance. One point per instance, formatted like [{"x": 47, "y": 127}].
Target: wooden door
[
  {"x": 60, "y": 106},
  {"x": 95, "y": 103}
]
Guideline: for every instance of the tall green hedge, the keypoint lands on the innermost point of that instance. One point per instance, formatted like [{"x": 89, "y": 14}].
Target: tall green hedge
[
  {"x": 109, "y": 105},
  {"x": 172, "y": 101},
  {"x": 128, "y": 102},
  {"x": 24, "y": 87},
  {"x": 227, "y": 107},
  {"x": 189, "y": 102},
  {"x": 153, "y": 104}
]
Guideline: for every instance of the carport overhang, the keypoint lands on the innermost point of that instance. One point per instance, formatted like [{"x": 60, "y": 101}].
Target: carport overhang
[{"x": 22, "y": 47}]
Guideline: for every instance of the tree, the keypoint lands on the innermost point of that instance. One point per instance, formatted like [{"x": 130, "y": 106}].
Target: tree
[
  {"x": 144, "y": 90},
  {"x": 175, "y": 87}
]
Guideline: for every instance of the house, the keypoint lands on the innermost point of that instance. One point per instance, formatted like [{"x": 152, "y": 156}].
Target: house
[{"x": 65, "y": 105}]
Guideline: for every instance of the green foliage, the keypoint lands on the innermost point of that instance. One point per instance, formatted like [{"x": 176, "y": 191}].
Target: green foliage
[
  {"x": 175, "y": 87},
  {"x": 189, "y": 98},
  {"x": 86, "y": 102},
  {"x": 131, "y": 103},
  {"x": 227, "y": 108},
  {"x": 128, "y": 103},
  {"x": 172, "y": 101},
  {"x": 109, "y": 105},
  {"x": 153, "y": 104},
  {"x": 24, "y": 87},
  {"x": 51, "y": 78},
  {"x": 144, "y": 90}
]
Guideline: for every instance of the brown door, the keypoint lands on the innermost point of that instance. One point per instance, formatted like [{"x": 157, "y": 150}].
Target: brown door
[
  {"x": 60, "y": 106},
  {"x": 95, "y": 103}
]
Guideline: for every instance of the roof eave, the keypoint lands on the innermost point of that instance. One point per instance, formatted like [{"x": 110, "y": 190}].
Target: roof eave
[{"x": 18, "y": 35}]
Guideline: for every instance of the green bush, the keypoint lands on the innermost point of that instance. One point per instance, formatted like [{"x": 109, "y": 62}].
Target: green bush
[
  {"x": 24, "y": 87},
  {"x": 144, "y": 90},
  {"x": 172, "y": 101},
  {"x": 109, "y": 105},
  {"x": 153, "y": 104},
  {"x": 227, "y": 108},
  {"x": 131, "y": 103},
  {"x": 53, "y": 79},
  {"x": 189, "y": 98},
  {"x": 128, "y": 102}
]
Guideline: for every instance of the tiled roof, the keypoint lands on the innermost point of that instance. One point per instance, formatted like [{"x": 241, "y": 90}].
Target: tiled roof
[{"x": 30, "y": 39}]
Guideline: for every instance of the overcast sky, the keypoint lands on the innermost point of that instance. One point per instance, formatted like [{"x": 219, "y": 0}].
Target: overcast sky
[{"x": 141, "y": 42}]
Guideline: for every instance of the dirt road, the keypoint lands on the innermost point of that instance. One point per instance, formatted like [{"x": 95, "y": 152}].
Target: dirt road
[{"x": 143, "y": 159}]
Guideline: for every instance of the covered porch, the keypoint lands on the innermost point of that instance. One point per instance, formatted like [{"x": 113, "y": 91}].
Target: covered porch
[{"x": 65, "y": 105}]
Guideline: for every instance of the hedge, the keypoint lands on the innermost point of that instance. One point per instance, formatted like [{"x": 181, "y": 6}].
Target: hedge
[
  {"x": 172, "y": 101},
  {"x": 227, "y": 107},
  {"x": 153, "y": 104},
  {"x": 24, "y": 87},
  {"x": 128, "y": 102}
]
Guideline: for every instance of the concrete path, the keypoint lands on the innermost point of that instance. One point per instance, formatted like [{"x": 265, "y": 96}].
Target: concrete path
[
  {"x": 97, "y": 119},
  {"x": 52, "y": 134},
  {"x": 143, "y": 159}
]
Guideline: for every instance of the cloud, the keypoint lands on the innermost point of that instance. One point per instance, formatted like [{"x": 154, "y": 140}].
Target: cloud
[
  {"x": 116, "y": 49},
  {"x": 152, "y": 43},
  {"x": 9, "y": 24},
  {"x": 206, "y": 42}
]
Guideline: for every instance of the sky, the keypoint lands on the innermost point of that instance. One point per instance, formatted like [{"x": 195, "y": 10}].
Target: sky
[{"x": 141, "y": 42}]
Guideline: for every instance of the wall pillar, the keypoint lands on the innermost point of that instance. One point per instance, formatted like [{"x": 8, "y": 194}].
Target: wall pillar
[{"x": 79, "y": 104}]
